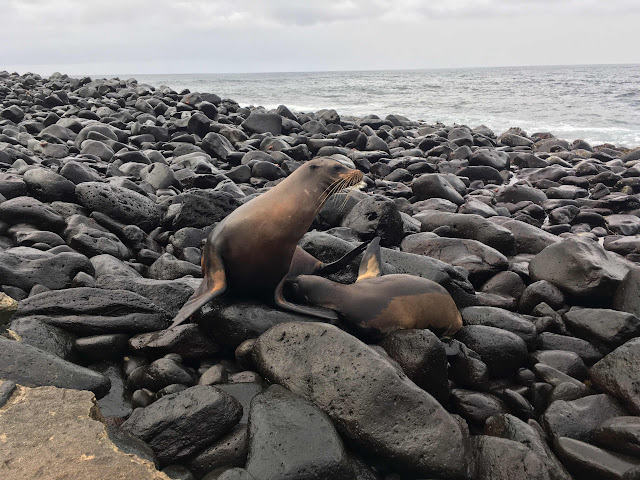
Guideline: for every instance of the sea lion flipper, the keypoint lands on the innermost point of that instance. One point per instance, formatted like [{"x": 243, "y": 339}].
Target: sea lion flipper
[
  {"x": 371, "y": 264},
  {"x": 333, "y": 267},
  {"x": 324, "y": 313},
  {"x": 213, "y": 284}
]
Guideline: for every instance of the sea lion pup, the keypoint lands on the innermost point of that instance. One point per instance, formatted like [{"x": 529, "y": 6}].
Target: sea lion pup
[
  {"x": 250, "y": 251},
  {"x": 376, "y": 305}
]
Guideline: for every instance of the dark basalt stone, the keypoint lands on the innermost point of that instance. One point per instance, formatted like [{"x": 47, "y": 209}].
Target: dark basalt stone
[
  {"x": 362, "y": 392},
  {"x": 178, "y": 425},
  {"x": 499, "y": 318},
  {"x": 31, "y": 367},
  {"x": 188, "y": 341},
  {"x": 94, "y": 311},
  {"x": 289, "y": 437},
  {"x": 588, "y": 462},
  {"x": 45, "y": 337}
]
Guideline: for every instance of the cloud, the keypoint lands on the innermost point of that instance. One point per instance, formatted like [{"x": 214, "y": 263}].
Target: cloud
[{"x": 256, "y": 35}]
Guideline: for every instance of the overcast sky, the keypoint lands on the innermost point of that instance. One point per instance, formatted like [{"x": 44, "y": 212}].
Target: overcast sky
[{"x": 210, "y": 36}]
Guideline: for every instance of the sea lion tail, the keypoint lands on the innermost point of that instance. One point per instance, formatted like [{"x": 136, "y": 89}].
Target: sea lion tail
[
  {"x": 371, "y": 264},
  {"x": 333, "y": 267}
]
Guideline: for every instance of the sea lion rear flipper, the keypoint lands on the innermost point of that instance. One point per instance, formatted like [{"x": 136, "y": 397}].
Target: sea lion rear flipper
[
  {"x": 213, "y": 285},
  {"x": 333, "y": 267},
  {"x": 323, "y": 313},
  {"x": 371, "y": 264}
]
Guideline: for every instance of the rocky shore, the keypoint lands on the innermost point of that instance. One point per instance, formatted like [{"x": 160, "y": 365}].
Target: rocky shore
[{"x": 108, "y": 189}]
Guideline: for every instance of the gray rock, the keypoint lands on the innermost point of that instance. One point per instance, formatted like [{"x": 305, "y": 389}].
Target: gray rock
[
  {"x": 227, "y": 452},
  {"x": 499, "y": 318},
  {"x": 45, "y": 337},
  {"x": 377, "y": 409},
  {"x": 434, "y": 185},
  {"x": 94, "y": 311},
  {"x": 376, "y": 216},
  {"x": 289, "y": 437},
  {"x": 503, "y": 459},
  {"x": 178, "y": 425},
  {"x": 258, "y": 122},
  {"x": 626, "y": 297},
  {"x": 602, "y": 327},
  {"x": 48, "y": 186},
  {"x": 621, "y": 434},
  {"x": 578, "y": 419},
  {"x": 188, "y": 341},
  {"x": 617, "y": 374},
  {"x": 32, "y": 367},
  {"x": 30, "y": 211}
]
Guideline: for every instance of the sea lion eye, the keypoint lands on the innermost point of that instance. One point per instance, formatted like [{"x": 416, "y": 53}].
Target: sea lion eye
[{"x": 313, "y": 166}]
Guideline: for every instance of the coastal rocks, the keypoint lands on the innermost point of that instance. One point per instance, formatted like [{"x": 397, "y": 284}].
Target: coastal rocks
[
  {"x": 364, "y": 396},
  {"x": 258, "y": 122},
  {"x": 94, "y": 311},
  {"x": 621, "y": 434},
  {"x": 376, "y": 216},
  {"x": 119, "y": 203},
  {"x": 578, "y": 419},
  {"x": 70, "y": 441},
  {"x": 26, "y": 268},
  {"x": 607, "y": 328},
  {"x": 32, "y": 212},
  {"x": 32, "y": 367},
  {"x": 178, "y": 425},
  {"x": 289, "y": 437},
  {"x": 499, "y": 318},
  {"x": 617, "y": 374},
  {"x": 578, "y": 266},
  {"x": 435, "y": 186},
  {"x": 202, "y": 208},
  {"x": 587, "y": 461}
]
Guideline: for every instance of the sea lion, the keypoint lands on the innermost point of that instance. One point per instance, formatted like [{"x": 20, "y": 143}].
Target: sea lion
[
  {"x": 376, "y": 305},
  {"x": 251, "y": 250}
]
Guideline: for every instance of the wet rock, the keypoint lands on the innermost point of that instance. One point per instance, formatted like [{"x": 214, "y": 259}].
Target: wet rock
[
  {"x": 102, "y": 347},
  {"x": 289, "y": 437},
  {"x": 541, "y": 292},
  {"x": 93, "y": 311},
  {"x": 578, "y": 266},
  {"x": 48, "y": 186},
  {"x": 423, "y": 359},
  {"x": 116, "y": 403},
  {"x": 467, "y": 369},
  {"x": 503, "y": 352},
  {"x": 89, "y": 449},
  {"x": 244, "y": 393},
  {"x": 568, "y": 363},
  {"x": 424, "y": 438},
  {"x": 168, "y": 267},
  {"x": 617, "y": 374},
  {"x": 160, "y": 374},
  {"x": 578, "y": 419},
  {"x": 178, "y": 425},
  {"x": 32, "y": 367}
]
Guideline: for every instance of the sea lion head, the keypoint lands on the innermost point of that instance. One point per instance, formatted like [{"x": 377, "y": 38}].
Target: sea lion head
[
  {"x": 332, "y": 175},
  {"x": 311, "y": 289}
]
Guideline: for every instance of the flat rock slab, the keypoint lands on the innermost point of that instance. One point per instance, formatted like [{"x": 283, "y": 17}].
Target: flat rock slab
[
  {"x": 50, "y": 432},
  {"x": 94, "y": 311},
  {"x": 32, "y": 367},
  {"x": 619, "y": 374},
  {"x": 373, "y": 405}
]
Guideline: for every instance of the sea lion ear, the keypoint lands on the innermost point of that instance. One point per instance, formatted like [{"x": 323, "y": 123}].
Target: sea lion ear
[{"x": 371, "y": 264}]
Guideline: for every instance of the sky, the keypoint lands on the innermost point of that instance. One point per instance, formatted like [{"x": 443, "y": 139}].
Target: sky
[{"x": 90, "y": 37}]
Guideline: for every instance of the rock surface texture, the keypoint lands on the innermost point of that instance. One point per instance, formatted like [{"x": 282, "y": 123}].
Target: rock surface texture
[{"x": 108, "y": 191}]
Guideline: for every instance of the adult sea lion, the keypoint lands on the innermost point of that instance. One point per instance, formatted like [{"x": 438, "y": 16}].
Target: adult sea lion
[
  {"x": 251, "y": 250},
  {"x": 376, "y": 305}
]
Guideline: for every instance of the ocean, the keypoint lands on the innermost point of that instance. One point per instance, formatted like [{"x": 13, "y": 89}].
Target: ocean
[{"x": 596, "y": 103}]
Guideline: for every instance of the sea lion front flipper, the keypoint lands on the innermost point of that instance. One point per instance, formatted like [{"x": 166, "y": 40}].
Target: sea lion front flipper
[
  {"x": 324, "y": 313},
  {"x": 371, "y": 264},
  {"x": 213, "y": 285},
  {"x": 333, "y": 267}
]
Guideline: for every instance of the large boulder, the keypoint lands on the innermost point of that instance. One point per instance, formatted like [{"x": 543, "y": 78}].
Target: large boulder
[
  {"x": 618, "y": 374},
  {"x": 374, "y": 406},
  {"x": 579, "y": 267}
]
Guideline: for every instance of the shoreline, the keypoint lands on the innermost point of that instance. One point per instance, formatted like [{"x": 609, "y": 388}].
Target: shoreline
[{"x": 108, "y": 190}]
